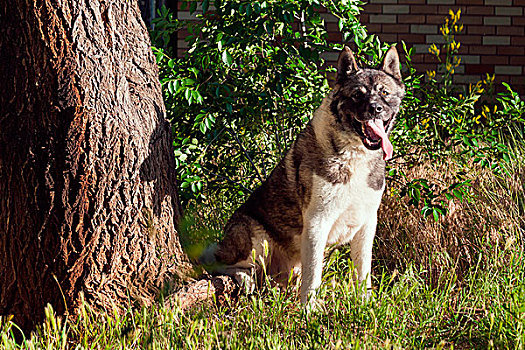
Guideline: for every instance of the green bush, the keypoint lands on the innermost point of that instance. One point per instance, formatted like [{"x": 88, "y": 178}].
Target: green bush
[
  {"x": 468, "y": 125},
  {"x": 250, "y": 80},
  {"x": 253, "y": 75}
]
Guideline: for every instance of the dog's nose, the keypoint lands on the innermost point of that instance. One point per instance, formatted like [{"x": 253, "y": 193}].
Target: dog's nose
[{"x": 375, "y": 108}]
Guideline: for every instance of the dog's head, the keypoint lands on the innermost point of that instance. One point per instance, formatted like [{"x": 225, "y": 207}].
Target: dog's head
[{"x": 367, "y": 101}]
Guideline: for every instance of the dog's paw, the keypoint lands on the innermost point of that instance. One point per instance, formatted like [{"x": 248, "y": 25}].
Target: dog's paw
[
  {"x": 246, "y": 281},
  {"x": 312, "y": 304},
  {"x": 368, "y": 294}
]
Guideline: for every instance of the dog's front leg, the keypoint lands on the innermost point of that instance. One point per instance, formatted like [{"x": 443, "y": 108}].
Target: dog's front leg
[
  {"x": 313, "y": 243},
  {"x": 361, "y": 251}
]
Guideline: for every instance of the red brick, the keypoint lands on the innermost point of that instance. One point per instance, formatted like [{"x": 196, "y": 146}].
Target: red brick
[
  {"x": 463, "y": 50},
  {"x": 391, "y": 38},
  {"x": 482, "y": 50},
  {"x": 334, "y": 37},
  {"x": 395, "y": 28},
  {"x": 411, "y": 19},
  {"x": 514, "y": 30},
  {"x": 481, "y": 30},
  {"x": 518, "y": 21},
  {"x": 479, "y": 68},
  {"x": 431, "y": 59},
  {"x": 494, "y": 60},
  {"x": 418, "y": 58},
  {"x": 500, "y": 78},
  {"x": 518, "y": 40},
  {"x": 436, "y": 19},
  {"x": 374, "y": 28},
  {"x": 409, "y": 2},
  {"x": 333, "y": 27},
  {"x": 364, "y": 18},
  {"x": 413, "y": 38},
  {"x": 511, "y": 50},
  {"x": 517, "y": 60},
  {"x": 423, "y": 9},
  {"x": 480, "y": 10},
  {"x": 517, "y": 80},
  {"x": 373, "y": 8},
  {"x": 519, "y": 2},
  {"x": 444, "y": 9}
]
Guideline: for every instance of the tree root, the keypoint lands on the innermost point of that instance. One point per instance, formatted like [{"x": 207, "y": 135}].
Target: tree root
[{"x": 219, "y": 289}]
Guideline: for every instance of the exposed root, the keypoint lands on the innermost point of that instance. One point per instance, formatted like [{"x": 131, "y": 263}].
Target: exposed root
[{"x": 217, "y": 289}]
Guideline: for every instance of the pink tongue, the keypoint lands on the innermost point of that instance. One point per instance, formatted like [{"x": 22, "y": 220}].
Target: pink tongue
[{"x": 379, "y": 129}]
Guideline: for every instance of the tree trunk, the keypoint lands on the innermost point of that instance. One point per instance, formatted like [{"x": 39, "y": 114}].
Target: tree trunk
[{"x": 88, "y": 197}]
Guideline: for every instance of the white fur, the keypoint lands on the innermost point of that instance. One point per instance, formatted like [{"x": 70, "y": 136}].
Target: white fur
[{"x": 339, "y": 213}]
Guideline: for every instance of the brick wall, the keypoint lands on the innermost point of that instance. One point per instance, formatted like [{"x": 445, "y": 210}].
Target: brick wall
[{"x": 493, "y": 39}]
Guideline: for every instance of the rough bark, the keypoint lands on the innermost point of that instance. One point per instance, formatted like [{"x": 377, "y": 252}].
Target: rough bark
[{"x": 88, "y": 197}]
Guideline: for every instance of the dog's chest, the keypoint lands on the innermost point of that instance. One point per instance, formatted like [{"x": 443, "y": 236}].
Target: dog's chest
[{"x": 350, "y": 203}]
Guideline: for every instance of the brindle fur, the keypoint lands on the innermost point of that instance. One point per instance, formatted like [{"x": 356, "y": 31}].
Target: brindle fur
[{"x": 320, "y": 192}]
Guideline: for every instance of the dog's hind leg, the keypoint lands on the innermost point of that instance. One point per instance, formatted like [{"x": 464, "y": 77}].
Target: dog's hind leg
[{"x": 241, "y": 251}]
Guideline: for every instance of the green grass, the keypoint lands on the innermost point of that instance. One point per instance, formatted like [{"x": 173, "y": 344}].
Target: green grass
[
  {"x": 426, "y": 293},
  {"x": 486, "y": 309}
]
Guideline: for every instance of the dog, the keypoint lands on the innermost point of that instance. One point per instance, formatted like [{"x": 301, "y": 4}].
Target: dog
[{"x": 327, "y": 188}]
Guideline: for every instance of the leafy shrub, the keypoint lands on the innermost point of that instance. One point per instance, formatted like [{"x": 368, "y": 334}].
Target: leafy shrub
[
  {"x": 250, "y": 80},
  {"x": 443, "y": 121}
]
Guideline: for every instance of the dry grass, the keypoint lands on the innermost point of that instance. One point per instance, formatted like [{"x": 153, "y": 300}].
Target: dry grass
[{"x": 476, "y": 229}]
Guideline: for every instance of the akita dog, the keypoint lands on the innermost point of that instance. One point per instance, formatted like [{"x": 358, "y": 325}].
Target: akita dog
[{"x": 328, "y": 187}]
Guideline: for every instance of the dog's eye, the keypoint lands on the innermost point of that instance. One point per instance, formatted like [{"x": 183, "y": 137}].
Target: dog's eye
[
  {"x": 384, "y": 92},
  {"x": 357, "y": 94}
]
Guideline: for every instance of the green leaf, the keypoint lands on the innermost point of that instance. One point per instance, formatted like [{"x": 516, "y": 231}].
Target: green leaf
[
  {"x": 227, "y": 58},
  {"x": 177, "y": 85},
  {"x": 435, "y": 213},
  {"x": 257, "y": 8},
  {"x": 458, "y": 194},
  {"x": 196, "y": 96},
  {"x": 193, "y": 6}
]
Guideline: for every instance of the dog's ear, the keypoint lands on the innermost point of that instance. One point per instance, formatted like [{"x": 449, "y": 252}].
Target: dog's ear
[
  {"x": 391, "y": 63},
  {"x": 346, "y": 64}
]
